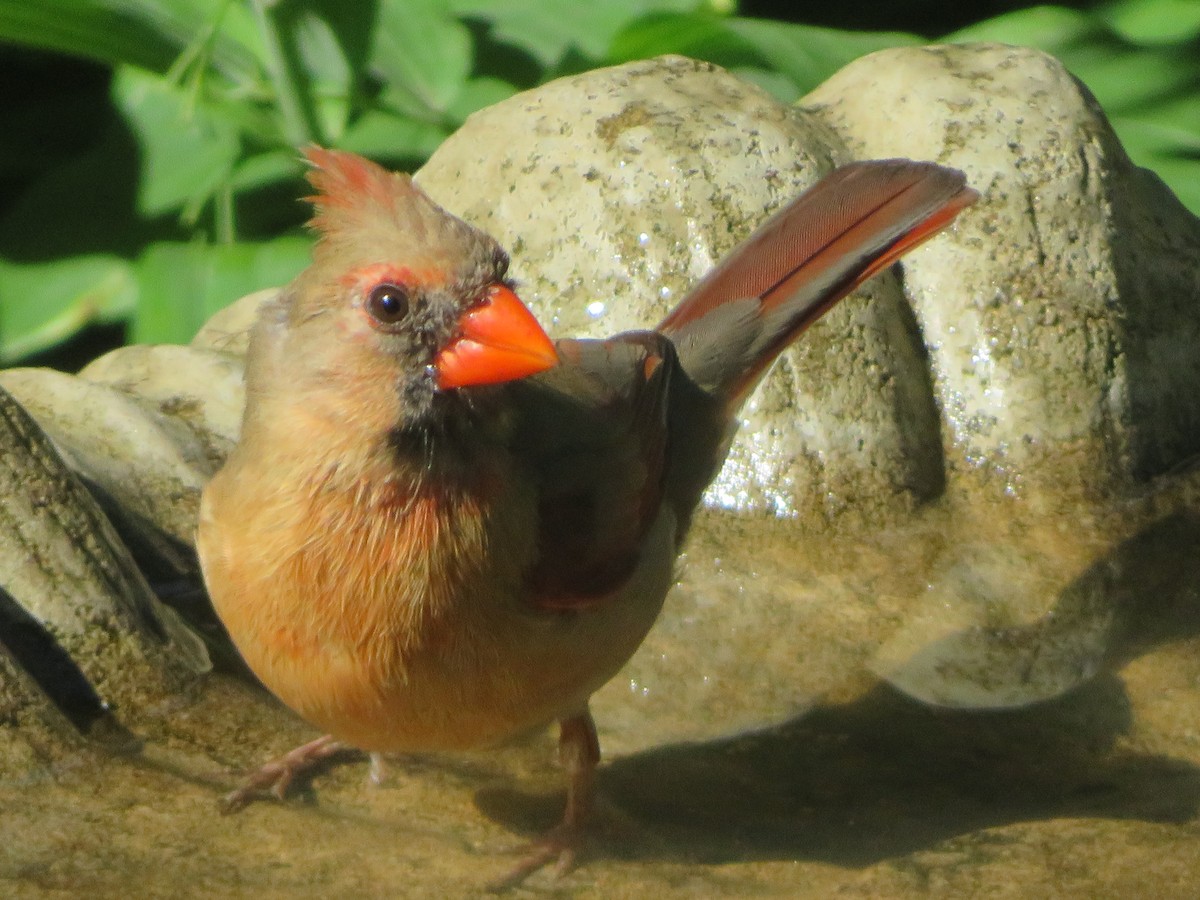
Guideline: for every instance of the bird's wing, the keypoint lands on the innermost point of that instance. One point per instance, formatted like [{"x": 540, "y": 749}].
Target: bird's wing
[{"x": 593, "y": 436}]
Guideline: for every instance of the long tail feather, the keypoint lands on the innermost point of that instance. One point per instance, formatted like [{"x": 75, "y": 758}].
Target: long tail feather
[{"x": 852, "y": 224}]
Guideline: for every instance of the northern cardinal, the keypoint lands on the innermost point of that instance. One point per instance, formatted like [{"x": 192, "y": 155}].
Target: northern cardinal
[{"x": 441, "y": 529}]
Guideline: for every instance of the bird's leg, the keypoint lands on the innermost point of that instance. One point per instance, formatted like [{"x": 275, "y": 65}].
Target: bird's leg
[
  {"x": 378, "y": 768},
  {"x": 277, "y": 775},
  {"x": 579, "y": 752}
]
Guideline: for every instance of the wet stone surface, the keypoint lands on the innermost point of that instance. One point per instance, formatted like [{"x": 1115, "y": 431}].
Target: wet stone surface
[{"x": 768, "y": 762}]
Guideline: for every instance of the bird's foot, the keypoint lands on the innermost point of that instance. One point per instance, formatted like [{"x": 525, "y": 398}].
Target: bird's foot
[
  {"x": 558, "y": 847},
  {"x": 277, "y": 775},
  {"x": 579, "y": 750}
]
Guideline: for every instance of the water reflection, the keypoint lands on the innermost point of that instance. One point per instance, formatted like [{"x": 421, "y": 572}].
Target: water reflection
[{"x": 1144, "y": 592}]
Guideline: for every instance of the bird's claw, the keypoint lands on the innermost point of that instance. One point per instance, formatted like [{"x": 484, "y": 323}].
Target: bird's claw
[
  {"x": 560, "y": 847},
  {"x": 276, "y": 776}
]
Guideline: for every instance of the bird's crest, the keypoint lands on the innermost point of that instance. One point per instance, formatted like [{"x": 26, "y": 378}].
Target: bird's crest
[
  {"x": 354, "y": 193},
  {"x": 363, "y": 210}
]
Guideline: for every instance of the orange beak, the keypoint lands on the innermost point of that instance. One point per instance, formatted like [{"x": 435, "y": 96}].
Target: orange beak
[{"x": 499, "y": 340}]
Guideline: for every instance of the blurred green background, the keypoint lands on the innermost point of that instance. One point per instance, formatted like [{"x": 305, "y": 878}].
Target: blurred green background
[{"x": 148, "y": 174}]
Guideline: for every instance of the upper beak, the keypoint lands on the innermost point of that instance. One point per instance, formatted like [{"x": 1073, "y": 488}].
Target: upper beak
[{"x": 499, "y": 340}]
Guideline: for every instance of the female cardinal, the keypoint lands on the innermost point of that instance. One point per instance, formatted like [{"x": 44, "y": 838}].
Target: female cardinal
[{"x": 440, "y": 528}]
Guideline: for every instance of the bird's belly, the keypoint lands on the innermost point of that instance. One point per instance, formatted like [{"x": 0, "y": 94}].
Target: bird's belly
[{"x": 487, "y": 668}]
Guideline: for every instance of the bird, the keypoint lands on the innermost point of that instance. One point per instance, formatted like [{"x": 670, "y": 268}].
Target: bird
[{"x": 439, "y": 528}]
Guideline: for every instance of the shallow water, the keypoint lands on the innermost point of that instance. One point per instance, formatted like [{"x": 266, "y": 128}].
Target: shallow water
[{"x": 789, "y": 729}]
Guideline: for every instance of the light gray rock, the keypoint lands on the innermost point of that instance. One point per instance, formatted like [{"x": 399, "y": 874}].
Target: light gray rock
[
  {"x": 198, "y": 387},
  {"x": 1061, "y": 315},
  {"x": 148, "y": 468},
  {"x": 69, "y": 590}
]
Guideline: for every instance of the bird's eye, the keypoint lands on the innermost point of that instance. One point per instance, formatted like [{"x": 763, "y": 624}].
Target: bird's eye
[{"x": 387, "y": 303}]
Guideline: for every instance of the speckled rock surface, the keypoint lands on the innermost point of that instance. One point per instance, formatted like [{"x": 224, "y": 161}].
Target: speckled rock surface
[
  {"x": 148, "y": 468},
  {"x": 660, "y": 168},
  {"x": 146, "y": 427},
  {"x": 80, "y": 627},
  {"x": 1061, "y": 314}
]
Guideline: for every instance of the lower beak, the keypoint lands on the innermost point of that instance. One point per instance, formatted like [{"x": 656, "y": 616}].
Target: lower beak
[{"x": 499, "y": 340}]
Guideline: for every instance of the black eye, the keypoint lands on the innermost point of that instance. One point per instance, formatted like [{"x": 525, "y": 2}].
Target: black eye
[{"x": 387, "y": 303}]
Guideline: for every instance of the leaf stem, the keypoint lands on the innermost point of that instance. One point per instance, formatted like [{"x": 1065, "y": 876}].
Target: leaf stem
[
  {"x": 224, "y": 217},
  {"x": 299, "y": 125}
]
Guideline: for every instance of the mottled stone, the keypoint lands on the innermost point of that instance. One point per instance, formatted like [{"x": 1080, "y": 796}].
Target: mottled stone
[
  {"x": 69, "y": 590},
  {"x": 1060, "y": 314},
  {"x": 147, "y": 468},
  {"x": 228, "y": 331},
  {"x": 194, "y": 386}
]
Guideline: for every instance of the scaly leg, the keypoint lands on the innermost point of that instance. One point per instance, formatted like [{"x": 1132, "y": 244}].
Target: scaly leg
[
  {"x": 277, "y": 775},
  {"x": 579, "y": 751}
]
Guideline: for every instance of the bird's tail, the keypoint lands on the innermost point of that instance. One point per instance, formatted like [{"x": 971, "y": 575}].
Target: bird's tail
[{"x": 853, "y": 223}]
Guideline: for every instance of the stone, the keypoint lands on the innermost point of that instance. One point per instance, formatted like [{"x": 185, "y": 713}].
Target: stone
[
  {"x": 228, "y": 331},
  {"x": 147, "y": 469},
  {"x": 77, "y": 616},
  {"x": 1060, "y": 314}
]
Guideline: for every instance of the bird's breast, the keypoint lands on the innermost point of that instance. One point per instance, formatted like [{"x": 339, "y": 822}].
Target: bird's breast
[{"x": 393, "y": 614}]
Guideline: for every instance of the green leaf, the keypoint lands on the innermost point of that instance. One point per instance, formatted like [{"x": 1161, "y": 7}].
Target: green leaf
[
  {"x": 42, "y": 304},
  {"x": 1170, "y": 148},
  {"x": 548, "y": 29},
  {"x": 476, "y": 94},
  {"x": 421, "y": 49},
  {"x": 777, "y": 85},
  {"x": 1155, "y": 22},
  {"x": 328, "y": 72},
  {"x": 1044, "y": 27},
  {"x": 383, "y": 135},
  {"x": 181, "y": 285},
  {"x": 1125, "y": 78},
  {"x": 808, "y": 55},
  {"x": 265, "y": 169},
  {"x": 787, "y": 60},
  {"x": 1176, "y": 122},
  {"x": 698, "y": 35},
  {"x": 149, "y": 34},
  {"x": 188, "y": 150},
  {"x": 108, "y": 32}
]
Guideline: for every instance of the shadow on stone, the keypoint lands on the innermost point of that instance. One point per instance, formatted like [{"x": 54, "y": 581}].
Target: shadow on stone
[
  {"x": 35, "y": 651},
  {"x": 881, "y": 777}
]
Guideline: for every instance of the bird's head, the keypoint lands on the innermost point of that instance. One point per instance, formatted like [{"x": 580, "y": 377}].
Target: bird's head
[{"x": 402, "y": 298}]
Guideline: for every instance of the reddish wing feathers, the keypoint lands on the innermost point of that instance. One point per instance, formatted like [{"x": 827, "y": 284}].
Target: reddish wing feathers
[
  {"x": 855, "y": 222},
  {"x": 825, "y": 223}
]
